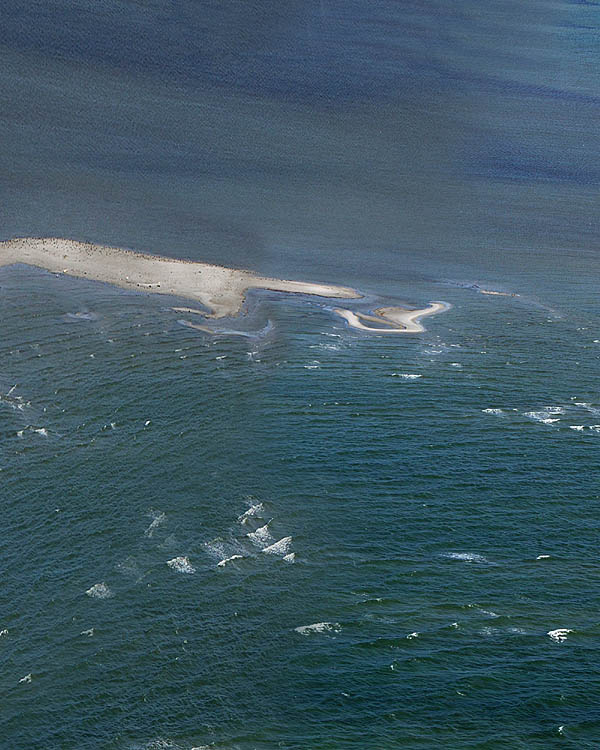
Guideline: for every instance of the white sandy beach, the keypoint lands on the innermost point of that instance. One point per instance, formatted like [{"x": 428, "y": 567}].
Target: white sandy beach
[
  {"x": 220, "y": 290},
  {"x": 397, "y": 319}
]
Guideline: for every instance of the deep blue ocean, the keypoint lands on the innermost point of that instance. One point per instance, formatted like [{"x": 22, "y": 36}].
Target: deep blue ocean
[{"x": 433, "y": 498}]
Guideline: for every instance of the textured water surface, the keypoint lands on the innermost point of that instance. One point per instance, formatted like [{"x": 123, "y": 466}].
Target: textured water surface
[{"x": 303, "y": 537}]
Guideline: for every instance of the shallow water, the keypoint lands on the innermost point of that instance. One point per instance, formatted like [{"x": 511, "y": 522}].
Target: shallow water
[{"x": 439, "y": 490}]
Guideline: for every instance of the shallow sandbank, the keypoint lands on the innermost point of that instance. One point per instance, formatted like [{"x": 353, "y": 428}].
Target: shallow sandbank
[
  {"x": 391, "y": 319},
  {"x": 221, "y": 290}
]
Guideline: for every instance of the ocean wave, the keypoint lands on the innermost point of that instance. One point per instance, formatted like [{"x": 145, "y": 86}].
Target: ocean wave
[
  {"x": 543, "y": 416},
  {"x": 290, "y": 558},
  {"x": 253, "y": 511},
  {"x": 282, "y": 547},
  {"x": 157, "y": 517},
  {"x": 559, "y": 635},
  {"x": 261, "y": 536},
  {"x": 319, "y": 627},
  {"x": 99, "y": 591},
  {"x": 406, "y": 375},
  {"x": 469, "y": 557},
  {"x": 578, "y": 427},
  {"x": 181, "y": 565},
  {"x": 226, "y": 560},
  {"x": 492, "y": 411}
]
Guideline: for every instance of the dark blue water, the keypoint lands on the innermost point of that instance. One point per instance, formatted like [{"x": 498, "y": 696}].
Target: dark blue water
[{"x": 440, "y": 490}]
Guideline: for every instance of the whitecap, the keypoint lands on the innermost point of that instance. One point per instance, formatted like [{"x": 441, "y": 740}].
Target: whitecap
[
  {"x": 42, "y": 431},
  {"x": 559, "y": 635},
  {"x": 89, "y": 632},
  {"x": 26, "y": 679},
  {"x": 319, "y": 627},
  {"x": 253, "y": 510},
  {"x": 466, "y": 557},
  {"x": 410, "y": 636},
  {"x": 157, "y": 517},
  {"x": 492, "y": 411},
  {"x": 224, "y": 562},
  {"x": 287, "y": 558},
  {"x": 406, "y": 375},
  {"x": 3, "y": 632},
  {"x": 541, "y": 416},
  {"x": 282, "y": 547},
  {"x": 99, "y": 591},
  {"x": 542, "y": 557},
  {"x": 181, "y": 565},
  {"x": 260, "y": 537},
  {"x": 578, "y": 427}
]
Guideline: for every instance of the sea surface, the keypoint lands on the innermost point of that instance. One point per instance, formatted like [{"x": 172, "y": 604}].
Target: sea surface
[{"x": 303, "y": 537}]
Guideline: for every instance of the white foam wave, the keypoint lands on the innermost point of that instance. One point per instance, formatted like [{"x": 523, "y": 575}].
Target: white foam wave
[
  {"x": 410, "y": 636},
  {"x": 158, "y": 517},
  {"x": 282, "y": 547},
  {"x": 492, "y": 411},
  {"x": 89, "y": 632},
  {"x": 224, "y": 562},
  {"x": 181, "y": 565},
  {"x": 578, "y": 427},
  {"x": 26, "y": 679},
  {"x": 287, "y": 558},
  {"x": 319, "y": 627},
  {"x": 260, "y": 537},
  {"x": 99, "y": 591},
  {"x": 3, "y": 632},
  {"x": 253, "y": 510},
  {"x": 542, "y": 416},
  {"x": 559, "y": 635},
  {"x": 542, "y": 557},
  {"x": 406, "y": 375},
  {"x": 466, "y": 557}
]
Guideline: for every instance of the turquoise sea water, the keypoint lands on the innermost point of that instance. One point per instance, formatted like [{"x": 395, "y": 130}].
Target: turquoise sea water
[{"x": 440, "y": 490}]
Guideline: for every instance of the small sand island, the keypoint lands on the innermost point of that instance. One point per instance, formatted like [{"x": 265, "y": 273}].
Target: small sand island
[
  {"x": 397, "y": 319},
  {"x": 221, "y": 291}
]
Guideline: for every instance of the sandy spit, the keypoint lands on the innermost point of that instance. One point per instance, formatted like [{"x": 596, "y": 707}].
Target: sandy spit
[{"x": 221, "y": 290}]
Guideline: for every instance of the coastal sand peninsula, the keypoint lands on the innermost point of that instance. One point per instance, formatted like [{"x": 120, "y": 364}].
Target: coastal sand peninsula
[
  {"x": 220, "y": 290},
  {"x": 397, "y": 319}
]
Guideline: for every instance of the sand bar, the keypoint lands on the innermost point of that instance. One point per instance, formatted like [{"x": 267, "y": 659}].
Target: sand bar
[
  {"x": 391, "y": 319},
  {"x": 221, "y": 290}
]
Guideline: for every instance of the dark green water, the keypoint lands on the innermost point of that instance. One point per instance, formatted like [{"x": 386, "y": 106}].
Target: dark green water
[{"x": 440, "y": 490}]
